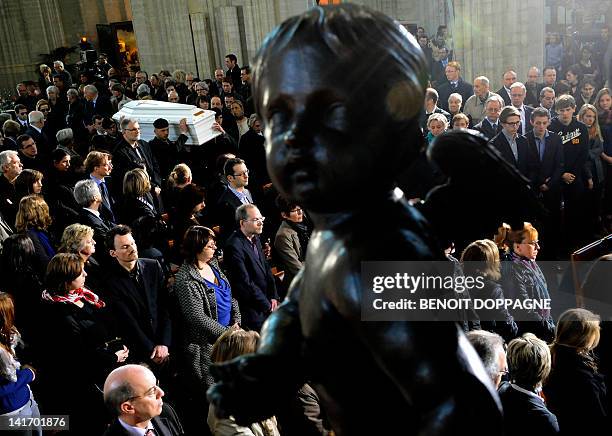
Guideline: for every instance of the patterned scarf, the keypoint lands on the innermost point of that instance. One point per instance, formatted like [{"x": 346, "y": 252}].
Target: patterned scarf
[{"x": 74, "y": 296}]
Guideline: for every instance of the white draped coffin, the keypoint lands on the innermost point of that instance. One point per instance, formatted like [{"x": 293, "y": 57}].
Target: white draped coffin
[{"x": 146, "y": 112}]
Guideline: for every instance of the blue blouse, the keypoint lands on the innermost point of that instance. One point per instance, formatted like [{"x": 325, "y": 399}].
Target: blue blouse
[{"x": 223, "y": 294}]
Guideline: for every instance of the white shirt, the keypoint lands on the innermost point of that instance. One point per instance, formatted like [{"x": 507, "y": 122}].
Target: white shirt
[
  {"x": 522, "y": 111},
  {"x": 136, "y": 431},
  {"x": 95, "y": 212}
]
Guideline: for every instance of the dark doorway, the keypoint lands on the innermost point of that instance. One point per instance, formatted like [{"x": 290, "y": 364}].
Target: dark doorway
[{"x": 118, "y": 41}]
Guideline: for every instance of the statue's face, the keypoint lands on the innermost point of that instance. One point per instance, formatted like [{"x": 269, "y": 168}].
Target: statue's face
[{"x": 320, "y": 147}]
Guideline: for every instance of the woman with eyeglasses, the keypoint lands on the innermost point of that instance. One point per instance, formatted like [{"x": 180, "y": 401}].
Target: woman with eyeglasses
[
  {"x": 525, "y": 411},
  {"x": 206, "y": 308},
  {"x": 522, "y": 278},
  {"x": 575, "y": 390},
  {"x": 80, "y": 347},
  {"x": 291, "y": 239}
]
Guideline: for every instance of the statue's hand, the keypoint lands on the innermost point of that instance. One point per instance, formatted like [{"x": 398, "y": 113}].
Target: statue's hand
[{"x": 245, "y": 388}]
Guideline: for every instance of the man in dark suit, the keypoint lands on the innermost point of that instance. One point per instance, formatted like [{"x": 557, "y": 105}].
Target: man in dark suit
[
  {"x": 512, "y": 146},
  {"x": 132, "y": 152},
  {"x": 96, "y": 104},
  {"x": 504, "y": 92},
  {"x": 98, "y": 165},
  {"x": 249, "y": 273},
  {"x": 35, "y": 130},
  {"x": 490, "y": 125},
  {"x": 547, "y": 180},
  {"x": 132, "y": 394},
  {"x": 431, "y": 107},
  {"x": 137, "y": 291},
  {"x": 533, "y": 87},
  {"x": 10, "y": 167},
  {"x": 236, "y": 194},
  {"x": 233, "y": 70},
  {"x": 22, "y": 117},
  {"x": 166, "y": 152},
  {"x": 28, "y": 153},
  {"x": 518, "y": 92},
  {"x": 454, "y": 84},
  {"x": 87, "y": 195}
]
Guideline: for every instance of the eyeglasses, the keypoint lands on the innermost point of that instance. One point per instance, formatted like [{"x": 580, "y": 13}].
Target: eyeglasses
[
  {"x": 296, "y": 210},
  {"x": 44, "y": 110},
  {"x": 244, "y": 173},
  {"x": 516, "y": 123},
  {"x": 133, "y": 130},
  {"x": 535, "y": 244},
  {"x": 257, "y": 220},
  {"x": 151, "y": 392}
]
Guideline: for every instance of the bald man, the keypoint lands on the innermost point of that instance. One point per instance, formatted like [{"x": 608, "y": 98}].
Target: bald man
[{"x": 132, "y": 394}]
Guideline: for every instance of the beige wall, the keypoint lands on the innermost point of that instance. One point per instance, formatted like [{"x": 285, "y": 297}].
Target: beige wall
[
  {"x": 31, "y": 27},
  {"x": 486, "y": 41}
]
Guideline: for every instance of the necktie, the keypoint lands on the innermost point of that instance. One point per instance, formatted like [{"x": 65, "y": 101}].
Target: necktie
[
  {"x": 540, "y": 149},
  {"x": 106, "y": 200}
]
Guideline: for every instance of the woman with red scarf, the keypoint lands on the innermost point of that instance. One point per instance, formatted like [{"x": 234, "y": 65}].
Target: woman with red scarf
[{"x": 80, "y": 348}]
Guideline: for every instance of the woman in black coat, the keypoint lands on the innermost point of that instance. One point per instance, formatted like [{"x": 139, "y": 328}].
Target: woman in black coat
[
  {"x": 481, "y": 259},
  {"x": 80, "y": 348},
  {"x": 576, "y": 390}
]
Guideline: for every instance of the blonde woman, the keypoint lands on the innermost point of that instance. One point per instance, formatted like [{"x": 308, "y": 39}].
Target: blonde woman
[
  {"x": 523, "y": 279},
  {"x": 79, "y": 239},
  {"x": 137, "y": 198},
  {"x": 595, "y": 170},
  {"x": 524, "y": 409},
  {"x": 576, "y": 390}
]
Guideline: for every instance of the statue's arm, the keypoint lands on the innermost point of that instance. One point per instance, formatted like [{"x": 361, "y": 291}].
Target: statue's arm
[{"x": 254, "y": 386}]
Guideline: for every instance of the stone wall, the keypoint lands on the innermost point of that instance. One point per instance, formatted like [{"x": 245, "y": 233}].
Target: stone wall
[
  {"x": 195, "y": 35},
  {"x": 29, "y": 28},
  {"x": 491, "y": 36}
]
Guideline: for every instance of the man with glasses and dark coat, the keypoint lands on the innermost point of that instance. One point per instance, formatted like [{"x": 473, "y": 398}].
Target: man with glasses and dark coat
[
  {"x": 133, "y": 395},
  {"x": 132, "y": 152},
  {"x": 236, "y": 194},
  {"x": 513, "y": 146},
  {"x": 249, "y": 273}
]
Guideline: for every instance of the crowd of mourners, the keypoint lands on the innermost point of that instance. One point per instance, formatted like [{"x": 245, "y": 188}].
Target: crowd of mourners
[{"x": 119, "y": 251}]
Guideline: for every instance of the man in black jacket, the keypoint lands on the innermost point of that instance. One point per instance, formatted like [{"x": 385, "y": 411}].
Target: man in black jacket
[
  {"x": 512, "y": 146},
  {"x": 575, "y": 139},
  {"x": 131, "y": 392},
  {"x": 454, "y": 83},
  {"x": 490, "y": 125},
  {"x": 137, "y": 290},
  {"x": 236, "y": 194},
  {"x": 250, "y": 275},
  {"x": 132, "y": 152},
  {"x": 166, "y": 152},
  {"x": 504, "y": 92},
  {"x": 547, "y": 180},
  {"x": 10, "y": 168},
  {"x": 87, "y": 195}
]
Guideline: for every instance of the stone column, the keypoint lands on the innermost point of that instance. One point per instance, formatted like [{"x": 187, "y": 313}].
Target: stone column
[{"x": 492, "y": 36}]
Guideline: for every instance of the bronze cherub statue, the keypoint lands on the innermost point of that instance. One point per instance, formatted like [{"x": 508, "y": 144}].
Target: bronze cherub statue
[{"x": 339, "y": 90}]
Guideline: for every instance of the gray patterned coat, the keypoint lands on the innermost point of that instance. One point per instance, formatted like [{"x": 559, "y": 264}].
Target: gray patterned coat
[{"x": 198, "y": 311}]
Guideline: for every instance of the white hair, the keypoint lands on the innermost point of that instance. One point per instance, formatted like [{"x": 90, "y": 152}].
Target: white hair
[{"x": 35, "y": 117}]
